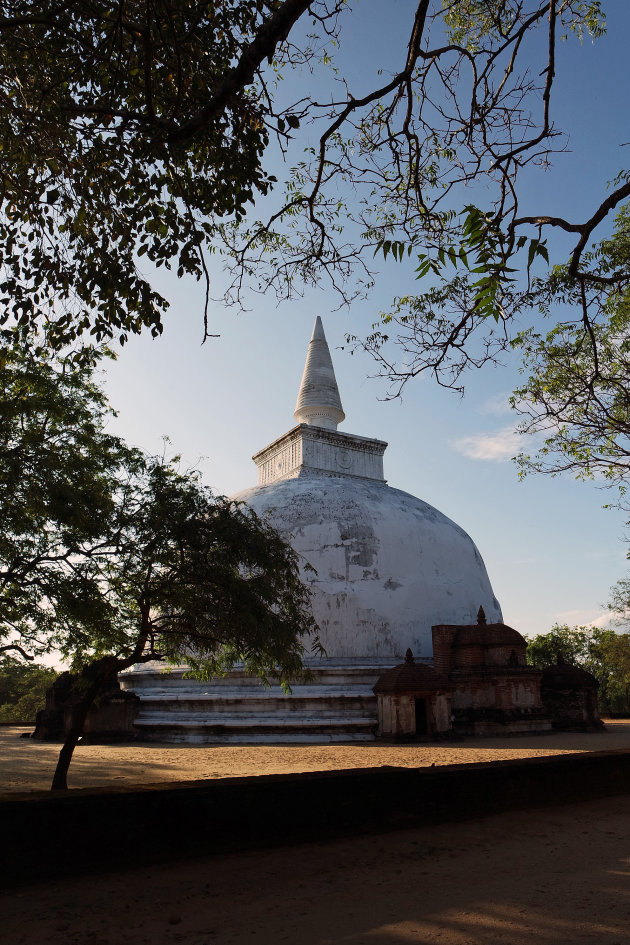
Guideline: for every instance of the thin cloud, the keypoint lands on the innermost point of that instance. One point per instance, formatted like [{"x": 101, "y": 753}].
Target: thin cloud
[
  {"x": 605, "y": 622},
  {"x": 586, "y": 618},
  {"x": 496, "y": 447},
  {"x": 497, "y": 405}
]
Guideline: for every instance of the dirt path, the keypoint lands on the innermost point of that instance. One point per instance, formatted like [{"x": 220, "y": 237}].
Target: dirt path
[
  {"x": 27, "y": 765},
  {"x": 558, "y": 876}
]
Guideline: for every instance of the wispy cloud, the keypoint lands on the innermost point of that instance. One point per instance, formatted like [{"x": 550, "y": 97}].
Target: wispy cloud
[
  {"x": 496, "y": 447},
  {"x": 586, "y": 618},
  {"x": 497, "y": 405},
  {"x": 606, "y": 620}
]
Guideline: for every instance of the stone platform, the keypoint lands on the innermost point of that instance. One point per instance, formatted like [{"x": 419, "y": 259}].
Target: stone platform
[{"x": 336, "y": 705}]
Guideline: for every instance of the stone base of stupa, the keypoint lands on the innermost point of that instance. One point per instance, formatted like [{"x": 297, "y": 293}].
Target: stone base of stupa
[{"x": 336, "y": 705}]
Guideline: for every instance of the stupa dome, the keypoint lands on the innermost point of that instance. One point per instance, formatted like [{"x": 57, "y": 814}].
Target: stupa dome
[{"x": 388, "y": 566}]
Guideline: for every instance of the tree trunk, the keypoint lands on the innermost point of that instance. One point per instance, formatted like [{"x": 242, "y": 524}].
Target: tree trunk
[
  {"x": 98, "y": 673},
  {"x": 79, "y": 715}
]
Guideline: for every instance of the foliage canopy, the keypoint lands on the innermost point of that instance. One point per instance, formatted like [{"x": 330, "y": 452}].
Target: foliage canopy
[
  {"x": 603, "y": 653},
  {"x": 114, "y": 558},
  {"x": 577, "y": 393},
  {"x": 134, "y": 130},
  {"x": 127, "y": 129},
  {"x": 23, "y": 689},
  {"x": 59, "y": 469}
]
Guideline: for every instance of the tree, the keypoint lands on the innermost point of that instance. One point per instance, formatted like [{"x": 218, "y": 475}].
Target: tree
[
  {"x": 127, "y": 129},
  {"x": 113, "y": 558},
  {"x": 148, "y": 125},
  {"x": 611, "y": 656},
  {"x": 561, "y": 642},
  {"x": 617, "y": 648},
  {"x": 577, "y": 390},
  {"x": 23, "y": 688},
  {"x": 59, "y": 469},
  {"x": 186, "y": 578},
  {"x": 484, "y": 259},
  {"x": 604, "y": 653}
]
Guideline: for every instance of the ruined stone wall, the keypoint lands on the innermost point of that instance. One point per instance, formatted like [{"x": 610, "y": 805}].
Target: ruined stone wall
[
  {"x": 465, "y": 657},
  {"x": 443, "y": 710}
]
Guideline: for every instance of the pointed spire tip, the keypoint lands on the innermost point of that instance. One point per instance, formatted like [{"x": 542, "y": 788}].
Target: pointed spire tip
[
  {"x": 318, "y": 400},
  {"x": 318, "y": 331}
]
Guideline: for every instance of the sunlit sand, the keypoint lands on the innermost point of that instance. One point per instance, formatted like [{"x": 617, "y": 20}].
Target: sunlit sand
[{"x": 27, "y": 765}]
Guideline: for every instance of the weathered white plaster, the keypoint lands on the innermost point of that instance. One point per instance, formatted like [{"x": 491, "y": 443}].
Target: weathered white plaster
[
  {"x": 337, "y": 704},
  {"x": 388, "y": 565},
  {"x": 306, "y": 449}
]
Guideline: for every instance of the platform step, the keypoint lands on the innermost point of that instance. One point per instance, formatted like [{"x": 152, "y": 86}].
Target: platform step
[
  {"x": 247, "y": 731},
  {"x": 298, "y": 693},
  {"x": 336, "y": 704}
]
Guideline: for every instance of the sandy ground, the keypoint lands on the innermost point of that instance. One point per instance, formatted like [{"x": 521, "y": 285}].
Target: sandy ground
[
  {"x": 559, "y": 875},
  {"x": 27, "y": 765}
]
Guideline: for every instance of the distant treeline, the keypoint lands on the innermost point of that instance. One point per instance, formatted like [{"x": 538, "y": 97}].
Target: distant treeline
[
  {"x": 23, "y": 689},
  {"x": 604, "y": 653}
]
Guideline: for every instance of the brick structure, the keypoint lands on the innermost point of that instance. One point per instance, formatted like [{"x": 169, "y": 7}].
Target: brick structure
[
  {"x": 495, "y": 692},
  {"x": 414, "y": 702}
]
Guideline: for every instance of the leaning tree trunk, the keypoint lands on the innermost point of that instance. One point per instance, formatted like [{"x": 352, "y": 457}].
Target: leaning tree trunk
[
  {"x": 79, "y": 715},
  {"x": 98, "y": 675}
]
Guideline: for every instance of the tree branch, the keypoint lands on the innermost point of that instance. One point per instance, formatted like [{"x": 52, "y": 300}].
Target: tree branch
[
  {"x": 271, "y": 32},
  {"x": 600, "y": 214},
  {"x": 14, "y": 646}
]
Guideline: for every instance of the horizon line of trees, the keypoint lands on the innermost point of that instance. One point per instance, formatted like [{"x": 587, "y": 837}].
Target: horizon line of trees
[
  {"x": 603, "y": 652},
  {"x": 23, "y": 688}
]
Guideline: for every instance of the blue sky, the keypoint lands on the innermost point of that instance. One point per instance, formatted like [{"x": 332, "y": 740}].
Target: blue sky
[{"x": 551, "y": 551}]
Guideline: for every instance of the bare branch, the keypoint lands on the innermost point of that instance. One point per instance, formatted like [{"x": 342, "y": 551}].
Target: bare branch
[{"x": 5, "y": 648}]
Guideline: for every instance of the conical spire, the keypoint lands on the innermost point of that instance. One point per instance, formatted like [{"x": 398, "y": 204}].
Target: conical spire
[{"x": 318, "y": 401}]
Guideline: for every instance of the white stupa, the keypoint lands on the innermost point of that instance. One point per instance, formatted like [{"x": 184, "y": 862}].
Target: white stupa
[{"x": 387, "y": 565}]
